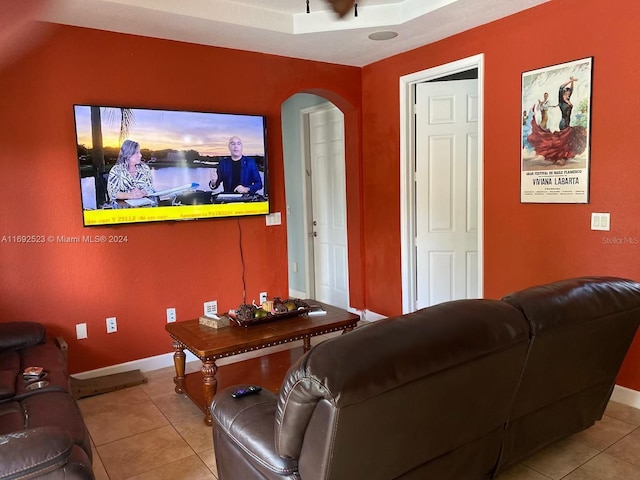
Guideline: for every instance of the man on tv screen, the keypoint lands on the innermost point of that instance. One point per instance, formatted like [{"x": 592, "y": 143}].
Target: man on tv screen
[{"x": 238, "y": 174}]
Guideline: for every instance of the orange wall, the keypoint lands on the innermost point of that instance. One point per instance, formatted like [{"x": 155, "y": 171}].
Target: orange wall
[
  {"x": 184, "y": 264},
  {"x": 161, "y": 265},
  {"x": 524, "y": 244}
]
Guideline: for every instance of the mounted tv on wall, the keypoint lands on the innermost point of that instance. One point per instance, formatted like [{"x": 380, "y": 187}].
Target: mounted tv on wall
[{"x": 148, "y": 165}]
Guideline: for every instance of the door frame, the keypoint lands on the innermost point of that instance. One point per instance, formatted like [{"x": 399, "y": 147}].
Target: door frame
[
  {"x": 407, "y": 171},
  {"x": 305, "y": 113}
]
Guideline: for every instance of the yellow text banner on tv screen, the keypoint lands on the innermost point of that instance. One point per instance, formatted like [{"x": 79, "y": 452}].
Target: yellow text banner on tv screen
[{"x": 182, "y": 212}]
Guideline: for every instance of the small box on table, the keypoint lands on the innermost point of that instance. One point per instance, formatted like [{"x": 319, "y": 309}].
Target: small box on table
[{"x": 214, "y": 322}]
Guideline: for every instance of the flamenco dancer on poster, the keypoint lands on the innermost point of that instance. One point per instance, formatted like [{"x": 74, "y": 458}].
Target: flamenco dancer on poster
[{"x": 558, "y": 147}]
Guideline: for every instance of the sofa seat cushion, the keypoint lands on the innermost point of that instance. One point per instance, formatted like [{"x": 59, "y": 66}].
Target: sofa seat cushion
[
  {"x": 11, "y": 417},
  {"x": 45, "y": 409},
  {"x": 34, "y": 452}
]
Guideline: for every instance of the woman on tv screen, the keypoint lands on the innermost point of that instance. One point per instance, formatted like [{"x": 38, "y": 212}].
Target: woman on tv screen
[{"x": 129, "y": 178}]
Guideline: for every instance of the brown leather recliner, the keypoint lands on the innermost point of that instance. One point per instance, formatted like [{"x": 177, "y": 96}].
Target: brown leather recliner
[
  {"x": 42, "y": 433},
  {"x": 460, "y": 390},
  {"x": 420, "y": 396}
]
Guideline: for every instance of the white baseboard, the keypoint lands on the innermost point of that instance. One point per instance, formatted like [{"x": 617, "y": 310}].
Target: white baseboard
[
  {"x": 370, "y": 316},
  {"x": 626, "y": 395},
  {"x": 297, "y": 294},
  {"x": 144, "y": 365}
]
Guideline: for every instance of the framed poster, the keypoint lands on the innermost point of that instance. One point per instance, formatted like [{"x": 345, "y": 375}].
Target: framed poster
[{"x": 556, "y": 122}]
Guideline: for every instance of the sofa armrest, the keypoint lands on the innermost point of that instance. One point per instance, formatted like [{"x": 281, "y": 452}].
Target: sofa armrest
[
  {"x": 248, "y": 423},
  {"x": 63, "y": 346},
  {"x": 33, "y": 452},
  {"x": 17, "y": 335}
]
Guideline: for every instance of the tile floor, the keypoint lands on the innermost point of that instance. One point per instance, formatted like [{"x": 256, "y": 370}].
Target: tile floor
[{"x": 149, "y": 432}]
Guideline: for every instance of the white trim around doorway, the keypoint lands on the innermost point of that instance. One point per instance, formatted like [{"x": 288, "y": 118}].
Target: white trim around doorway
[{"x": 407, "y": 169}]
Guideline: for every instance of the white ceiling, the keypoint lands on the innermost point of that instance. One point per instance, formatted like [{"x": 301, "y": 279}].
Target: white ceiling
[{"x": 282, "y": 27}]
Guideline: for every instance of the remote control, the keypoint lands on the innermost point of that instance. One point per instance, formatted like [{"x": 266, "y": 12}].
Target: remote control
[{"x": 243, "y": 392}]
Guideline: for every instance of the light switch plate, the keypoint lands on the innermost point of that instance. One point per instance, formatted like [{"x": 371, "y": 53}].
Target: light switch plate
[
  {"x": 273, "y": 219},
  {"x": 600, "y": 221},
  {"x": 81, "y": 331}
]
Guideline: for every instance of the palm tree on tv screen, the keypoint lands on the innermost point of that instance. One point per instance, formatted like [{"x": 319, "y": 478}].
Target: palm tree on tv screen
[{"x": 126, "y": 120}]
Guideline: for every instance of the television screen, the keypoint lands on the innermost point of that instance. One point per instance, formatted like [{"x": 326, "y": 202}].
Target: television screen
[{"x": 148, "y": 165}]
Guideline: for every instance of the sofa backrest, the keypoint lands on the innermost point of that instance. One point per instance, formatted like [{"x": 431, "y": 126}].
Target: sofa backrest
[
  {"x": 581, "y": 330},
  {"x": 418, "y": 394}
]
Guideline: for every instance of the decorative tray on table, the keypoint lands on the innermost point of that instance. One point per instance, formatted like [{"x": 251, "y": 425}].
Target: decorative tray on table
[{"x": 247, "y": 315}]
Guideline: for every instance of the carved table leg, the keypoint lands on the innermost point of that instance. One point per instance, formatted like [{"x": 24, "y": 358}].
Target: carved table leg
[
  {"x": 306, "y": 344},
  {"x": 178, "y": 361},
  {"x": 209, "y": 385}
]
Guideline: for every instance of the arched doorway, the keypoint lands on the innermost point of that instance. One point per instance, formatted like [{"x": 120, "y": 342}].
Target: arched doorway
[{"x": 315, "y": 186}]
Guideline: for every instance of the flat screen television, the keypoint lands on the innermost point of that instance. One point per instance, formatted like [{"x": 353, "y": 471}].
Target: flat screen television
[{"x": 148, "y": 165}]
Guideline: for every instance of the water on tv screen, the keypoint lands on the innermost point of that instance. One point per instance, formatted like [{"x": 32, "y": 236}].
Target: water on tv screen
[{"x": 148, "y": 165}]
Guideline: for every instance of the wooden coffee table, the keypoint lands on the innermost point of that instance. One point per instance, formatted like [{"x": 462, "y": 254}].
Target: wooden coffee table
[{"x": 210, "y": 344}]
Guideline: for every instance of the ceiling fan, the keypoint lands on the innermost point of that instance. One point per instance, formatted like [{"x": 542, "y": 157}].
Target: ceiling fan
[{"x": 341, "y": 7}]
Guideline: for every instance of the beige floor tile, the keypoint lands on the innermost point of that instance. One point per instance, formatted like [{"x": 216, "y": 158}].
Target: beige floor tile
[
  {"x": 196, "y": 433},
  {"x": 604, "y": 433},
  {"x": 159, "y": 382},
  {"x": 605, "y": 467},
  {"x": 142, "y": 453},
  {"x": 561, "y": 458},
  {"x": 623, "y": 412},
  {"x": 123, "y": 422},
  {"x": 177, "y": 407},
  {"x": 520, "y": 472},
  {"x": 191, "y": 468},
  {"x": 627, "y": 449},
  {"x": 112, "y": 401},
  {"x": 98, "y": 467},
  {"x": 209, "y": 458},
  {"x": 193, "y": 366}
]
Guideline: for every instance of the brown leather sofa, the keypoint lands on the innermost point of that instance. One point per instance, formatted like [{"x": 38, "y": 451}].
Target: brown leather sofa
[
  {"x": 460, "y": 390},
  {"x": 42, "y": 433}
]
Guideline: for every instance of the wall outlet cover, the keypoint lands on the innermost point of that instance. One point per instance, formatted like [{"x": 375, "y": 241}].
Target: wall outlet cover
[
  {"x": 211, "y": 308},
  {"x": 112, "y": 325},
  {"x": 81, "y": 331}
]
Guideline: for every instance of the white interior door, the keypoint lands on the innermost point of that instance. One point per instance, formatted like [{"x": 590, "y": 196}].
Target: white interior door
[
  {"x": 446, "y": 191},
  {"x": 329, "y": 209}
]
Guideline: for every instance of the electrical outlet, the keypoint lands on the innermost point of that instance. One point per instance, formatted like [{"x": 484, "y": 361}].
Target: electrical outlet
[
  {"x": 171, "y": 315},
  {"x": 263, "y": 297},
  {"x": 81, "y": 331},
  {"x": 211, "y": 308},
  {"x": 112, "y": 325}
]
